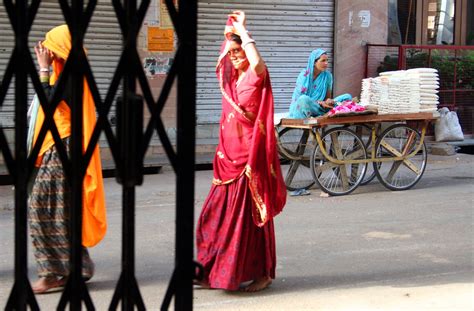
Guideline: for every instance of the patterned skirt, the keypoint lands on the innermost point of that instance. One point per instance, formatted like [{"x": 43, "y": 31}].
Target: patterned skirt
[{"x": 48, "y": 216}]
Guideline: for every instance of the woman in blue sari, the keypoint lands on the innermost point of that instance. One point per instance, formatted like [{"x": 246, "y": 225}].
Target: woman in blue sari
[{"x": 312, "y": 94}]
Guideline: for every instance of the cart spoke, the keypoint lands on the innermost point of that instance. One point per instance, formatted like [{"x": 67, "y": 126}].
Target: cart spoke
[
  {"x": 354, "y": 155},
  {"x": 294, "y": 145},
  {"x": 396, "y": 153},
  {"x": 292, "y": 171}
]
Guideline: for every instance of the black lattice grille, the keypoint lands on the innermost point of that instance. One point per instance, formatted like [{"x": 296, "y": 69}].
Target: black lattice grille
[{"x": 131, "y": 136}]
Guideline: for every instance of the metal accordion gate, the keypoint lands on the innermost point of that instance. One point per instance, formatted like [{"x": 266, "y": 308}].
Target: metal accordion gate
[{"x": 131, "y": 135}]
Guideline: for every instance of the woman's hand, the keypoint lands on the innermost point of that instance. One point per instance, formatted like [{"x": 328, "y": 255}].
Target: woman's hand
[
  {"x": 248, "y": 44},
  {"x": 327, "y": 104},
  {"x": 239, "y": 21},
  {"x": 43, "y": 55}
]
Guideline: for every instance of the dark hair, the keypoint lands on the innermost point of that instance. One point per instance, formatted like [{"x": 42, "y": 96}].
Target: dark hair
[
  {"x": 325, "y": 53},
  {"x": 235, "y": 38}
]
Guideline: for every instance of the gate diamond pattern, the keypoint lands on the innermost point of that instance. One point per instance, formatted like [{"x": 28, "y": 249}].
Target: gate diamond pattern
[{"x": 129, "y": 138}]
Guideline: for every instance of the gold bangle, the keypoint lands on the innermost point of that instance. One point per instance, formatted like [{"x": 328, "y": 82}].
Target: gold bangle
[{"x": 44, "y": 79}]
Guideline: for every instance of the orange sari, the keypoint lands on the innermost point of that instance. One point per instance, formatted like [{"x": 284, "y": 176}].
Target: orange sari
[{"x": 94, "y": 222}]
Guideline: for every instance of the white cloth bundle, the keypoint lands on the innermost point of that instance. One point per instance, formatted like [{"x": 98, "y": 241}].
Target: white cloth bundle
[{"x": 402, "y": 91}]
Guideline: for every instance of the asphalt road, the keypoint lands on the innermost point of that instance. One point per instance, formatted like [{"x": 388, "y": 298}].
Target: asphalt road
[{"x": 371, "y": 250}]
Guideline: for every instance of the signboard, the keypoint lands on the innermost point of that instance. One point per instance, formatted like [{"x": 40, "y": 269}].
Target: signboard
[
  {"x": 160, "y": 40},
  {"x": 364, "y": 17}
]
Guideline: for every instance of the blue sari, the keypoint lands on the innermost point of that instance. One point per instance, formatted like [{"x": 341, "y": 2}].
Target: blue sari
[{"x": 308, "y": 92}]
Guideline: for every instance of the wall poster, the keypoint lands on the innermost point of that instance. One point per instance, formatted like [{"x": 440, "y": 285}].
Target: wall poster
[{"x": 160, "y": 40}]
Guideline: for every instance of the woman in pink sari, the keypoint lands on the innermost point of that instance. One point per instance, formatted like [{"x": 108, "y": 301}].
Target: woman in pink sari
[{"x": 235, "y": 232}]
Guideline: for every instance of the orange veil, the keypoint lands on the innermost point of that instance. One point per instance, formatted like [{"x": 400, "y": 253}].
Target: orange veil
[{"x": 94, "y": 222}]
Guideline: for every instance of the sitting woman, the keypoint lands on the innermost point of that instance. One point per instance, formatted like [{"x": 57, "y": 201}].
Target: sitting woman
[{"x": 312, "y": 94}]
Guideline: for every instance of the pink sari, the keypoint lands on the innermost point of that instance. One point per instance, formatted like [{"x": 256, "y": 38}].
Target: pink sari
[{"x": 235, "y": 234}]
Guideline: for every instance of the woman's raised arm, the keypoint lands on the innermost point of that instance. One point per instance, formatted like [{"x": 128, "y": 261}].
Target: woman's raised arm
[{"x": 248, "y": 44}]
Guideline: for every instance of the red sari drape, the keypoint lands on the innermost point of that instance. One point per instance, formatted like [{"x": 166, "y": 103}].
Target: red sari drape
[
  {"x": 248, "y": 146},
  {"x": 235, "y": 234}
]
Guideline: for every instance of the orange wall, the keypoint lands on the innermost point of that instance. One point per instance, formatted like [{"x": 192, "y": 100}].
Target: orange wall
[{"x": 350, "y": 39}]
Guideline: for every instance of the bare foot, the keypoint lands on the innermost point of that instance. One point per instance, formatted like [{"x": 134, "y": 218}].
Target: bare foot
[
  {"x": 48, "y": 284},
  {"x": 258, "y": 284},
  {"x": 201, "y": 284}
]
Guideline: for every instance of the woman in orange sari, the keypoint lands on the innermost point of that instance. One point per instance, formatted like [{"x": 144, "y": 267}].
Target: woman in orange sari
[
  {"x": 235, "y": 232},
  {"x": 48, "y": 204}
]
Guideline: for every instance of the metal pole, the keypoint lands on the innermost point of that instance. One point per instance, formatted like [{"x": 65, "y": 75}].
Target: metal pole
[
  {"x": 186, "y": 154},
  {"x": 21, "y": 255},
  {"x": 76, "y": 91}
]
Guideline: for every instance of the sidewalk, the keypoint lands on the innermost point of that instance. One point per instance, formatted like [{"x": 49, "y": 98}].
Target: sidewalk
[{"x": 372, "y": 250}]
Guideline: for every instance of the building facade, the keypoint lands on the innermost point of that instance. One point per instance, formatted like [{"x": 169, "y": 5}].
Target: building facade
[{"x": 433, "y": 33}]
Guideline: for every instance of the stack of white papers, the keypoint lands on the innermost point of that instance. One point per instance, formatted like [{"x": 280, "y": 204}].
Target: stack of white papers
[{"x": 410, "y": 91}]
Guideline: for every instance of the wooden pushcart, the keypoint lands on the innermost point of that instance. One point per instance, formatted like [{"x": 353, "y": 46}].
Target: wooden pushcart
[{"x": 341, "y": 153}]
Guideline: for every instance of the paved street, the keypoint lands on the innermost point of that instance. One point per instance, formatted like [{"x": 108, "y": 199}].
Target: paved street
[{"x": 371, "y": 250}]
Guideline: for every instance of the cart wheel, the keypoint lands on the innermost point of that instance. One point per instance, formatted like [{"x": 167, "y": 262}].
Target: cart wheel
[
  {"x": 365, "y": 133},
  {"x": 295, "y": 146},
  {"x": 339, "y": 179},
  {"x": 398, "y": 140}
]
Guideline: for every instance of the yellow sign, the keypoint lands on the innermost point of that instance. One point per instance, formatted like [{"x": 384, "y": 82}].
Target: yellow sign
[{"x": 160, "y": 40}]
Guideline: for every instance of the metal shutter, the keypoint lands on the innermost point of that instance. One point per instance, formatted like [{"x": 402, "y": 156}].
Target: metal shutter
[
  {"x": 103, "y": 42},
  {"x": 285, "y": 32}
]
